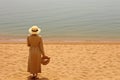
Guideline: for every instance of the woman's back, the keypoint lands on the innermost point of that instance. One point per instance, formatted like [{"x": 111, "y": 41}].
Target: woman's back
[{"x": 34, "y": 40}]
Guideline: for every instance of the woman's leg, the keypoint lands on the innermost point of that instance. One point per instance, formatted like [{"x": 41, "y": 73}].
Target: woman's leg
[
  {"x": 33, "y": 75},
  {"x": 36, "y": 74}
]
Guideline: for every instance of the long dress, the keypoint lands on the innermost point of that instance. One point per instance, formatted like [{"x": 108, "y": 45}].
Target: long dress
[{"x": 35, "y": 50}]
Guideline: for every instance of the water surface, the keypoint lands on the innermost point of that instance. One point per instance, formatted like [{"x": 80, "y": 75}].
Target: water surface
[{"x": 61, "y": 19}]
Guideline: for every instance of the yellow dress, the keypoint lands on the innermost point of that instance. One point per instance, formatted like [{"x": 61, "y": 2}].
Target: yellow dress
[{"x": 35, "y": 50}]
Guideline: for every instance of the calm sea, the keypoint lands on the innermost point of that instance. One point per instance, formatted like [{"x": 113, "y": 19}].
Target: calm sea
[{"x": 61, "y": 19}]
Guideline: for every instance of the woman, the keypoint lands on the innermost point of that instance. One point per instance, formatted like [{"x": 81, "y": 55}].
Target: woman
[{"x": 35, "y": 43}]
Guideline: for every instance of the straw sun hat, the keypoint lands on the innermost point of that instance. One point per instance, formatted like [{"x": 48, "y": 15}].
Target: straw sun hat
[{"x": 34, "y": 30}]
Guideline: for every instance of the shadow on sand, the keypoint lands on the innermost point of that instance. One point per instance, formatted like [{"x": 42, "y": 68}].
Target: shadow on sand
[{"x": 31, "y": 78}]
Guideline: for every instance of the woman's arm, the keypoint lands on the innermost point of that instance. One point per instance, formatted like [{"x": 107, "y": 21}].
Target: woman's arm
[
  {"x": 28, "y": 43},
  {"x": 41, "y": 46}
]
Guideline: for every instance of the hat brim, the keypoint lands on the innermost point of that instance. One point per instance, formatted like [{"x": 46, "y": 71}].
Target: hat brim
[{"x": 31, "y": 32}]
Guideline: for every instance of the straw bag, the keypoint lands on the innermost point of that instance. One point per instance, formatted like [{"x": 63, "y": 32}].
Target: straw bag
[{"x": 45, "y": 60}]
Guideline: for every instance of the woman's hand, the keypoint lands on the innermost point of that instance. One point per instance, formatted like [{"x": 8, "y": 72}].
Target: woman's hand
[{"x": 44, "y": 56}]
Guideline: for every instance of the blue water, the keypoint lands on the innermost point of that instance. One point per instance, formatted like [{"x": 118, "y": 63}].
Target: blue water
[{"x": 61, "y": 19}]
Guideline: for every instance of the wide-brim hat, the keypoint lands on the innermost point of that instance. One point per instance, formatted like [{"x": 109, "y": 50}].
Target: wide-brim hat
[{"x": 34, "y": 30}]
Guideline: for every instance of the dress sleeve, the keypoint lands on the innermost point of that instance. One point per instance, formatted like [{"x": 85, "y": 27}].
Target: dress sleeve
[
  {"x": 41, "y": 46},
  {"x": 28, "y": 43}
]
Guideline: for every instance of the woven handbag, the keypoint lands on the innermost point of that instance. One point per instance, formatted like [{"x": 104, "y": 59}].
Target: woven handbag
[{"x": 45, "y": 60}]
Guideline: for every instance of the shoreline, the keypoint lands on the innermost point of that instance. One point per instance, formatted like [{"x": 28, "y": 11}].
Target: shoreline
[
  {"x": 6, "y": 39},
  {"x": 65, "y": 42},
  {"x": 59, "y": 41}
]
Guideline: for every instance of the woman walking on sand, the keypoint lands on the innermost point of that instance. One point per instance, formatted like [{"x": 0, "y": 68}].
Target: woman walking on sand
[{"x": 36, "y": 50}]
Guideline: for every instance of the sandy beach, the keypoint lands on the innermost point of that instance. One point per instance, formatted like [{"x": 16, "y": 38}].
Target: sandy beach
[{"x": 69, "y": 61}]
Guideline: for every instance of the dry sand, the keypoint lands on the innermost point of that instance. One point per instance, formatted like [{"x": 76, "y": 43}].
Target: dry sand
[{"x": 68, "y": 62}]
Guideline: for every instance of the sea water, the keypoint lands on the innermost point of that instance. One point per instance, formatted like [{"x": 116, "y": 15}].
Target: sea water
[{"x": 61, "y": 19}]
